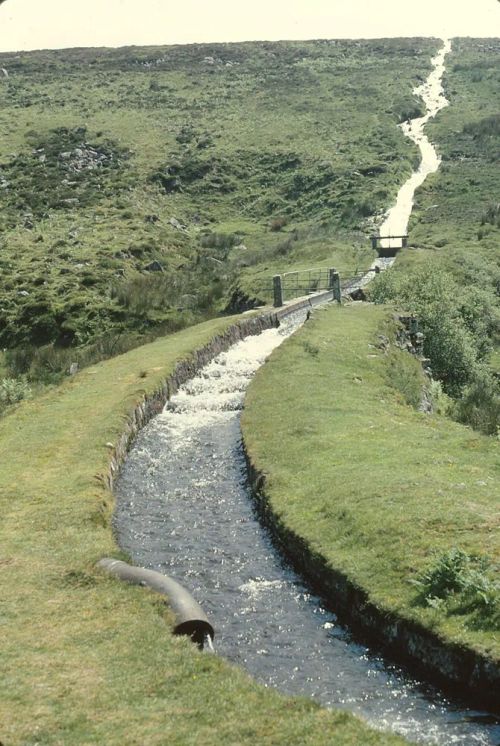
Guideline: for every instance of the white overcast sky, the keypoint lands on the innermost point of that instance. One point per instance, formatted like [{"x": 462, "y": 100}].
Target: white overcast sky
[{"x": 54, "y": 24}]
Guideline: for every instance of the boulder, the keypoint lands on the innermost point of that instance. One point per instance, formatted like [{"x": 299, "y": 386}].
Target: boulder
[{"x": 154, "y": 266}]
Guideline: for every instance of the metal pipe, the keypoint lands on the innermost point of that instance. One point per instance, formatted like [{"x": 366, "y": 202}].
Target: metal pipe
[{"x": 190, "y": 619}]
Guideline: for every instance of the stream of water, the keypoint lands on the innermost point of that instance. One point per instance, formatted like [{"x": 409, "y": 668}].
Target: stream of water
[
  {"x": 431, "y": 91},
  {"x": 184, "y": 509}
]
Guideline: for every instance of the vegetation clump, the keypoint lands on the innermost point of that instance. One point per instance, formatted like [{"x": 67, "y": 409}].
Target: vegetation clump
[
  {"x": 460, "y": 326},
  {"x": 62, "y": 170},
  {"x": 462, "y": 583},
  {"x": 13, "y": 390}
]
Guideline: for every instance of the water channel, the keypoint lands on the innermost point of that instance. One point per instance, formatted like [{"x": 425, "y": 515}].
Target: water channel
[{"x": 184, "y": 509}]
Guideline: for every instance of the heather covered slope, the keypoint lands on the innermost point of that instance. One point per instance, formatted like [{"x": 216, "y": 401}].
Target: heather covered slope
[{"x": 113, "y": 159}]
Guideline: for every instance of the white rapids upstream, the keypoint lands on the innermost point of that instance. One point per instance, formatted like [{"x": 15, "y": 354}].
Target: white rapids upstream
[
  {"x": 432, "y": 93},
  {"x": 184, "y": 508}
]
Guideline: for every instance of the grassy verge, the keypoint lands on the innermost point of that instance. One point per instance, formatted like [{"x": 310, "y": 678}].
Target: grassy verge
[
  {"x": 86, "y": 659},
  {"x": 387, "y": 494}
]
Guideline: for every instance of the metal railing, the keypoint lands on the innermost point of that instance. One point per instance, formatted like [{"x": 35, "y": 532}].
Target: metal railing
[{"x": 305, "y": 282}]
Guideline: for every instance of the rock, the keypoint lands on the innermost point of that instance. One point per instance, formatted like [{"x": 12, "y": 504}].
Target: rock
[
  {"x": 358, "y": 294},
  {"x": 241, "y": 247},
  {"x": 153, "y": 267},
  {"x": 4, "y": 72},
  {"x": 73, "y": 369},
  {"x": 175, "y": 224}
]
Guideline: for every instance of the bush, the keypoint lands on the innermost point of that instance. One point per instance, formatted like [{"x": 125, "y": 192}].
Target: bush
[
  {"x": 223, "y": 241},
  {"x": 456, "y": 323},
  {"x": 277, "y": 224},
  {"x": 440, "y": 402},
  {"x": 479, "y": 405},
  {"x": 13, "y": 390},
  {"x": 462, "y": 581}
]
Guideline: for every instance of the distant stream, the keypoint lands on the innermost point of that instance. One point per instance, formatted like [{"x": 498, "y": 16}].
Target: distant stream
[
  {"x": 431, "y": 91},
  {"x": 184, "y": 509}
]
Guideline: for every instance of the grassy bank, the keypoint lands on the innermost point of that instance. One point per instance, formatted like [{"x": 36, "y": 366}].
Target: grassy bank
[
  {"x": 86, "y": 659},
  {"x": 404, "y": 504}
]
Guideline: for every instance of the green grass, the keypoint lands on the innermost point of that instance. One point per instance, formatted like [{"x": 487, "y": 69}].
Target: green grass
[
  {"x": 304, "y": 131},
  {"x": 86, "y": 659},
  {"x": 374, "y": 486},
  {"x": 495, "y": 360}
]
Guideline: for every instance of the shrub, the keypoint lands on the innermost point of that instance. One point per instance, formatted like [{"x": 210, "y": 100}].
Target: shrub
[
  {"x": 13, "y": 390},
  {"x": 452, "y": 320},
  {"x": 277, "y": 224},
  {"x": 447, "y": 575},
  {"x": 224, "y": 241},
  {"x": 479, "y": 405},
  {"x": 310, "y": 348},
  {"x": 491, "y": 215},
  {"x": 486, "y": 127},
  {"x": 441, "y": 403},
  {"x": 462, "y": 583}
]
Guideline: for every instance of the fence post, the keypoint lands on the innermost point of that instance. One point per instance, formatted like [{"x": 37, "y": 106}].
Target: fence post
[
  {"x": 374, "y": 240},
  {"x": 331, "y": 272},
  {"x": 337, "y": 295},
  {"x": 278, "y": 291}
]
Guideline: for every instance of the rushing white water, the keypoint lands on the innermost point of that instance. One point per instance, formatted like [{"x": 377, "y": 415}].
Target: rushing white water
[
  {"x": 184, "y": 509},
  {"x": 396, "y": 221}
]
